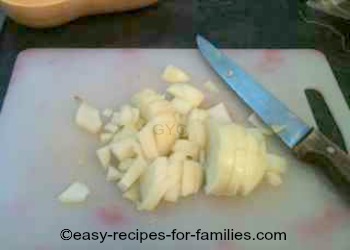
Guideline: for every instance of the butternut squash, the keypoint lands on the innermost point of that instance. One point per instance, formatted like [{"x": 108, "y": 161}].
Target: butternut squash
[{"x": 50, "y": 13}]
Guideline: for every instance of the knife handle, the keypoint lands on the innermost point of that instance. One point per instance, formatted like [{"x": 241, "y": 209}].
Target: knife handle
[{"x": 334, "y": 162}]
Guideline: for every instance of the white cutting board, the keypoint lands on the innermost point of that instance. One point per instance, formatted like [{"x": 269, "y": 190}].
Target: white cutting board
[{"x": 42, "y": 152}]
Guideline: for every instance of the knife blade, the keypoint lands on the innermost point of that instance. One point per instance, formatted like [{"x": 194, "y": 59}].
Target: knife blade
[
  {"x": 306, "y": 142},
  {"x": 324, "y": 118}
]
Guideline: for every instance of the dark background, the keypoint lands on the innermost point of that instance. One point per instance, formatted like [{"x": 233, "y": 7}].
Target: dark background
[{"x": 230, "y": 23}]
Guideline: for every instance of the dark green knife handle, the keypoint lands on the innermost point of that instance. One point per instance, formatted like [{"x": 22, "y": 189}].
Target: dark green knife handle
[{"x": 334, "y": 162}]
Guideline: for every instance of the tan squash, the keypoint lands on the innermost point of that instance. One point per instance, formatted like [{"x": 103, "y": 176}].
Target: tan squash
[{"x": 49, "y": 13}]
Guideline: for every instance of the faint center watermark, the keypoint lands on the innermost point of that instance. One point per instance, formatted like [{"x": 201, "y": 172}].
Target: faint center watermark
[{"x": 166, "y": 129}]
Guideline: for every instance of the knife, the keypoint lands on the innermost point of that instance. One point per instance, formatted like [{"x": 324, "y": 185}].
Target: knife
[
  {"x": 307, "y": 143},
  {"x": 324, "y": 118}
]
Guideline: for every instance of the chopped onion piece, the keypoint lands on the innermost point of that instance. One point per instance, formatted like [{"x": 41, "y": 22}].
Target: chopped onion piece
[
  {"x": 153, "y": 184},
  {"x": 113, "y": 174},
  {"x": 115, "y": 118},
  {"x": 197, "y": 133},
  {"x": 112, "y": 128},
  {"x": 106, "y": 137},
  {"x": 174, "y": 74},
  {"x": 220, "y": 113},
  {"x": 202, "y": 157},
  {"x": 125, "y": 164},
  {"x": 133, "y": 193},
  {"x": 144, "y": 97},
  {"x": 178, "y": 156},
  {"x": 198, "y": 115},
  {"x": 157, "y": 108},
  {"x": 88, "y": 118},
  {"x": 186, "y": 92},
  {"x": 165, "y": 132},
  {"x": 134, "y": 172},
  {"x": 236, "y": 161},
  {"x": 104, "y": 155},
  {"x": 107, "y": 113},
  {"x": 191, "y": 178},
  {"x": 124, "y": 149},
  {"x": 182, "y": 106},
  {"x": 210, "y": 86},
  {"x": 174, "y": 172},
  {"x": 148, "y": 142},
  {"x": 273, "y": 179},
  {"x": 188, "y": 148},
  {"x": 125, "y": 133},
  {"x": 75, "y": 193},
  {"x": 129, "y": 115}
]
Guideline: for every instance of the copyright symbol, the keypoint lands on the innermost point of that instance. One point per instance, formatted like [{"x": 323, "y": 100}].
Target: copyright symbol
[{"x": 66, "y": 234}]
